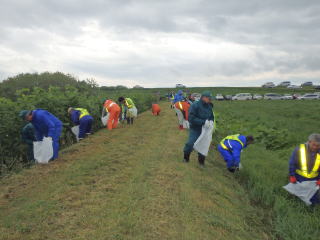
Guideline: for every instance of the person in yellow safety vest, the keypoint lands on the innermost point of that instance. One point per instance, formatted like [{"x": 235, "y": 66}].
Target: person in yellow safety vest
[
  {"x": 304, "y": 164},
  {"x": 126, "y": 106},
  {"x": 230, "y": 149},
  {"x": 81, "y": 117}
]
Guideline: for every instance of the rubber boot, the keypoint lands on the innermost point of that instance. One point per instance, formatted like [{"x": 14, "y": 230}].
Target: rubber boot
[
  {"x": 131, "y": 119},
  {"x": 186, "y": 157},
  {"x": 201, "y": 159}
]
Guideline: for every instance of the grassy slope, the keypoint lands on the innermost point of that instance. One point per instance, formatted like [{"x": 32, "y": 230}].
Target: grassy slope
[{"x": 128, "y": 184}]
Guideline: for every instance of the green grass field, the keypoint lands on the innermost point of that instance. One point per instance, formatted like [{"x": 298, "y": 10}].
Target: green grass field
[{"x": 131, "y": 184}]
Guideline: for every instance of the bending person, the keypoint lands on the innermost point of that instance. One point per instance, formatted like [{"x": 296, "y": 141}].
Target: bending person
[
  {"x": 81, "y": 117},
  {"x": 113, "y": 109}
]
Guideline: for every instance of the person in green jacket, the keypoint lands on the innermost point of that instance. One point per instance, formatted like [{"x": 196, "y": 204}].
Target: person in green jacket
[
  {"x": 127, "y": 105},
  {"x": 28, "y": 137},
  {"x": 199, "y": 112}
]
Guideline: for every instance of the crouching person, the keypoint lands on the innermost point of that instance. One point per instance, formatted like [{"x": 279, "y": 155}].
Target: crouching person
[
  {"x": 230, "y": 149},
  {"x": 304, "y": 164},
  {"x": 81, "y": 117}
]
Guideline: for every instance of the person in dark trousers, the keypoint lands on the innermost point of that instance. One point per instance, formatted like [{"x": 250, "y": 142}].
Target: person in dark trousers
[
  {"x": 304, "y": 164},
  {"x": 127, "y": 105},
  {"x": 81, "y": 117},
  {"x": 28, "y": 137},
  {"x": 199, "y": 113}
]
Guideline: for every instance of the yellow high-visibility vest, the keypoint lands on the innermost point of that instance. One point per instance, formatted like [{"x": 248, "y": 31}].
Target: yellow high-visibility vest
[
  {"x": 83, "y": 112},
  {"x": 231, "y": 137},
  {"x": 303, "y": 171},
  {"x": 129, "y": 103}
]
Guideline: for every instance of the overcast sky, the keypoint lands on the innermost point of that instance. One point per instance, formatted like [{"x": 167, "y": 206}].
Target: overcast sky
[{"x": 158, "y": 43}]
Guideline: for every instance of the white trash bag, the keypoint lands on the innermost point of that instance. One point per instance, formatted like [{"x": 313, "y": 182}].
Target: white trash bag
[
  {"x": 75, "y": 130},
  {"x": 43, "y": 150},
  {"x": 104, "y": 120},
  {"x": 303, "y": 190},
  {"x": 133, "y": 112},
  {"x": 186, "y": 124},
  {"x": 202, "y": 144}
]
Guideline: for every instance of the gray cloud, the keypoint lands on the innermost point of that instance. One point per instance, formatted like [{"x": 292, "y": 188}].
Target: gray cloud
[{"x": 157, "y": 43}]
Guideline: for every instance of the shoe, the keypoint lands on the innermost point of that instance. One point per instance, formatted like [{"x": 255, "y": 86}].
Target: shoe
[
  {"x": 231, "y": 169},
  {"x": 201, "y": 159},
  {"x": 186, "y": 157},
  {"x": 180, "y": 127}
]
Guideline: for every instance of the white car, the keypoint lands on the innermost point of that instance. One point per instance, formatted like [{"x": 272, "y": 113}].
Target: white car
[
  {"x": 287, "y": 97},
  {"x": 219, "y": 97},
  {"x": 309, "y": 96},
  {"x": 242, "y": 96},
  {"x": 257, "y": 97},
  {"x": 293, "y": 87},
  {"x": 272, "y": 96},
  {"x": 284, "y": 84},
  {"x": 269, "y": 85}
]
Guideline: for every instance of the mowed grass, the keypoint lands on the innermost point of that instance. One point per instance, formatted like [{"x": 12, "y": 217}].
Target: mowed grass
[{"x": 129, "y": 184}]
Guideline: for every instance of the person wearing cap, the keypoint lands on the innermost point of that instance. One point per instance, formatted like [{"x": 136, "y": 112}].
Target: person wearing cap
[
  {"x": 127, "y": 105},
  {"x": 28, "y": 137},
  {"x": 230, "y": 149},
  {"x": 199, "y": 112},
  {"x": 114, "y": 111},
  {"x": 304, "y": 164},
  {"x": 45, "y": 125},
  {"x": 81, "y": 117}
]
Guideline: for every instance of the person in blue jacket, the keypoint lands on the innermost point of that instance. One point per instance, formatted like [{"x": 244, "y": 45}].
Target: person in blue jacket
[
  {"x": 199, "y": 112},
  {"x": 230, "y": 149},
  {"x": 304, "y": 164},
  {"x": 45, "y": 125},
  {"x": 178, "y": 97},
  {"x": 81, "y": 117}
]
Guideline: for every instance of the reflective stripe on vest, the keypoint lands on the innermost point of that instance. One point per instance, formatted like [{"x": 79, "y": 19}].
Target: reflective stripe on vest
[
  {"x": 231, "y": 137},
  {"x": 180, "y": 105},
  {"x": 128, "y": 105},
  {"x": 109, "y": 106},
  {"x": 83, "y": 112},
  {"x": 303, "y": 171}
]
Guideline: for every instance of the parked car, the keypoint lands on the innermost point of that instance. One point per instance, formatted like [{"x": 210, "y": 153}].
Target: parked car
[
  {"x": 257, "y": 97},
  {"x": 294, "y": 86},
  {"x": 228, "y": 97},
  {"x": 219, "y": 97},
  {"x": 242, "y": 96},
  {"x": 318, "y": 93},
  {"x": 307, "y": 84},
  {"x": 179, "y": 85},
  {"x": 309, "y": 96},
  {"x": 287, "y": 97},
  {"x": 269, "y": 85},
  {"x": 284, "y": 84},
  {"x": 272, "y": 96},
  {"x": 317, "y": 87}
]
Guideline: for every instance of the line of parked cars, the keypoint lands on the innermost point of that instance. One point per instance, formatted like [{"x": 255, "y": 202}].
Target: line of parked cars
[
  {"x": 269, "y": 96},
  {"x": 288, "y": 84}
]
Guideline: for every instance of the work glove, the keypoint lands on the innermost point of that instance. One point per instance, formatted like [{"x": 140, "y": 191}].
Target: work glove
[
  {"x": 293, "y": 179},
  {"x": 318, "y": 182}
]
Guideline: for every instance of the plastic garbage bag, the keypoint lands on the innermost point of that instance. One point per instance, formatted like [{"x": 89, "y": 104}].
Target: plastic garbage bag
[
  {"x": 202, "y": 144},
  {"x": 133, "y": 112},
  {"x": 43, "y": 150},
  {"x": 75, "y": 130},
  {"x": 303, "y": 190},
  {"x": 104, "y": 120},
  {"x": 186, "y": 124}
]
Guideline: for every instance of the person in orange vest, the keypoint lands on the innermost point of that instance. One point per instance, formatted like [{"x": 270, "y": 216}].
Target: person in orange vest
[
  {"x": 114, "y": 111},
  {"x": 156, "y": 109},
  {"x": 182, "y": 109}
]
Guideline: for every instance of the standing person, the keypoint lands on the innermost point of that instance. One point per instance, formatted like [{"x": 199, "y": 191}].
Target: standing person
[
  {"x": 230, "y": 149},
  {"x": 45, "y": 125},
  {"x": 182, "y": 110},
  {"x": 114, "y": 112},
  {"x": 81, "y": 117},
  {"x": 156, "y": 109},
  {"x": 128, "y": 108},
  {"x": 28, "y": 137},
  {"x": 304, "y": 164},
  {"x": 199, "y": 113}
]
